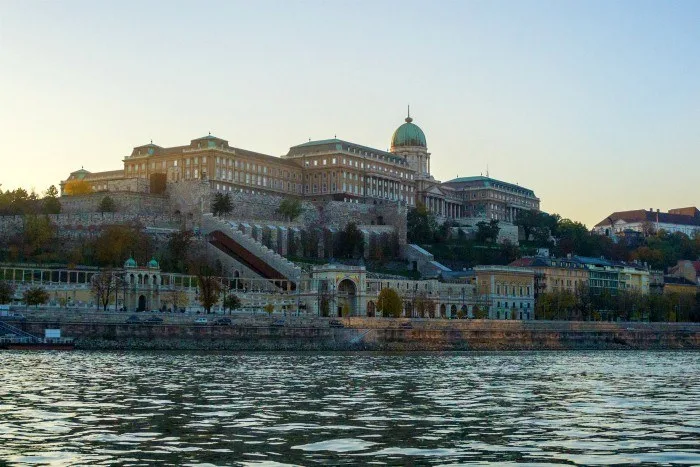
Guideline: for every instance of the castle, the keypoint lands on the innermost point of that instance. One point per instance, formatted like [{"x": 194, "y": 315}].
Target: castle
[
  {"x": 317, "y": 171},
  {"x": 336, "y": 182}
]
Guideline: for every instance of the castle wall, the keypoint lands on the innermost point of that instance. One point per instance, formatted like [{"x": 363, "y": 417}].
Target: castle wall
[
  {"x": 125, "y": 202},
  {"x": 82, "y": 224}
]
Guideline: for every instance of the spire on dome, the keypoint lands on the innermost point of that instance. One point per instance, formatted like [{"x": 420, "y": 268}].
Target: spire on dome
[{"x": 408, "y": 118}]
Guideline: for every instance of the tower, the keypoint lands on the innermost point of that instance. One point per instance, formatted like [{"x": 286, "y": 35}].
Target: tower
[{"x": 409, "y": 141}]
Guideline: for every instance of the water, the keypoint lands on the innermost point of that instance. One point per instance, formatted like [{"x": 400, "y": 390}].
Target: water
[{"x": 596, "y": 408}]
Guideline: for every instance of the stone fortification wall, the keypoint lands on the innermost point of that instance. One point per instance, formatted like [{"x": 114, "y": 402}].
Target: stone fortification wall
[
  {"x": 75, "y": 224},
  {"x": 263, "y": 208},
  {"x": 126, "y": 202}
]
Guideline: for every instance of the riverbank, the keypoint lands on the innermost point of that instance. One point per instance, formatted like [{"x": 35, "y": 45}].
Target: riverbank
[{"x": 98, "y": 330}]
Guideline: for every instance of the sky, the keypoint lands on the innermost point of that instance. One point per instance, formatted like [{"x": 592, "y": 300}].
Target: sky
[{"x": 593, "y": 104}]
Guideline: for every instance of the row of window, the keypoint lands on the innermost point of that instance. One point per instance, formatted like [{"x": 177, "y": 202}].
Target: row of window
[
  {"x": 512, "y": 289},
  {"x": 505, "y": 305},
  {"x": 358, "y": 164}
]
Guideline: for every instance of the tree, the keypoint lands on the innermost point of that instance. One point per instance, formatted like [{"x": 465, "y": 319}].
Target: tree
[
  {"x": 104, "y": 287},
  {"x": 269, "y": 309},
  {"x": 177, "y": 248},
  {"x": 209, "y": 285},
  {"x": 118, "y": 242},
  {"x": 420, "y": 224},
  {"x": 290, "y": 209},
  {"x": 479, "y": 312},
  {"x": 77, "y": 187},
  {"x": 7, "y": 291},
  {"x": 39, "y": 237},
  {"x": 176, "y": 298},
  {"x": 350, "y": 243},
  {"x": 50, "y": 203},
  {"x": 107, "y": 205},
  {"x": 487, "y": 231},
  {"x": 232, "y": 302},
  {"x": 423, "y": 305},
  {"x": 35, "y": 296},
  {"x": 222, "y": 204},
  {"x": 389, "y": 303}
]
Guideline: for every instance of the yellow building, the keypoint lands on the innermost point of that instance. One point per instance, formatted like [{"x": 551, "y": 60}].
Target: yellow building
[{"x": 506, "y": 292}]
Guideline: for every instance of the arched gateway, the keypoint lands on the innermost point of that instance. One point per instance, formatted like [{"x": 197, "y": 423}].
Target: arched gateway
[{"x": 347, "y": 297}]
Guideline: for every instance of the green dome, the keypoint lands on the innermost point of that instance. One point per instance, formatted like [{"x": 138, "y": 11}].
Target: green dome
[
  {"x": 130, "y": 263},
  {"x": 153, "y": 264},
  {"x": 408, "y": 134}
]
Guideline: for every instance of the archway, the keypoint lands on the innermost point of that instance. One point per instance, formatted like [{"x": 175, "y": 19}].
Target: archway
[
  {"x": 347, "y": 292},
  {"x": 371, "y": 309},
  {"x": 142, "y": 303},
  {"x": 443, "y": 310},
  {"x": 453, "y": 311}
]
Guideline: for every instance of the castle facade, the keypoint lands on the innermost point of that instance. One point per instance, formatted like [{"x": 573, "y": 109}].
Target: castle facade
[{"x": 326, "y": 170}]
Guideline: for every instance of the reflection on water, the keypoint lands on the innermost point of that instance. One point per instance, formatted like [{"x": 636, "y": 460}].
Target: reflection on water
[{"x": 595, "y": 408}]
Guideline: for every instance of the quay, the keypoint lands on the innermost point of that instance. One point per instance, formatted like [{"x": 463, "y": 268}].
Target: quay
[{"x": 258, "y": 332}]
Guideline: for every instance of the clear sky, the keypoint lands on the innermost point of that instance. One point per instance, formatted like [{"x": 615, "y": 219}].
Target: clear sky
[{"x": 595, "y": 105}]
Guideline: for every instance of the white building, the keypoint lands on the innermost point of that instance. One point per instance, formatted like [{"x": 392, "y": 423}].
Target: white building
[{"x": 684, "y": 220}]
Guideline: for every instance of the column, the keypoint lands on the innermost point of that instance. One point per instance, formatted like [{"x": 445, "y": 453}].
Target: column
[{"x": 283, "y": 241}]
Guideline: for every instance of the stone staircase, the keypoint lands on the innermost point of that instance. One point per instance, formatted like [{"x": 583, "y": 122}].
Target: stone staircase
[
  {"x": 423, "y": 261},
  {"x": 276, "y": 262}
]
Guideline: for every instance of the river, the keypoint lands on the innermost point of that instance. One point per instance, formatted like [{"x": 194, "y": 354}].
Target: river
[{"x": 271, "y": 409}]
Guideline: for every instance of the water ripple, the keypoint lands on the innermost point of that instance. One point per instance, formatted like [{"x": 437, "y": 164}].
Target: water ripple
[{"x": 527, "y": 408}]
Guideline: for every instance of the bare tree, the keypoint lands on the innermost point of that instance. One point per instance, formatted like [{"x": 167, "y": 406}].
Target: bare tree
[{"x": 104, "y": 284}]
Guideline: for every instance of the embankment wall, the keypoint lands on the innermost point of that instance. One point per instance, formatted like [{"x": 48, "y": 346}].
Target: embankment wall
[{"x": 256, "y": 333}]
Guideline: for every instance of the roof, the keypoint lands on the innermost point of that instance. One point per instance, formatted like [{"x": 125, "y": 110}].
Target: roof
[
  {"x": 571, "y": 262},
  {"x": 677, "y": 280},
  {"x": 488, "y": 181},
  {"x": 642, "y": 215},
  {"x": 408, "y": 134},
  {"x": 336, "y": 144}
]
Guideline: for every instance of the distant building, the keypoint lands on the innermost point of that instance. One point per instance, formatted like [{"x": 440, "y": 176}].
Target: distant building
[
  {"x": 684, "y": 220},
  {"x": 690, "y": 270},
  {"x": 555, "y": 274},
  {"x": 506, "y": 292},
  {"x": 598, "y": 274},
  {"x": 674, "y": 285}
]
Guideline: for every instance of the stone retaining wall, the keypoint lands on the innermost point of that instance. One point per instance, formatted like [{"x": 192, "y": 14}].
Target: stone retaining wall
[
  {"x": 109, "y": 331},
  {"x": 125, "y": 202}
]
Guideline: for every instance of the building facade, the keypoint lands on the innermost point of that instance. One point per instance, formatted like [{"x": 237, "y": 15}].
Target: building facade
[
  {"x": 506, "y": 292},
  {"x": 641, "y": 221},
  {"x": 330, "y": 169},
  {"x": 574, "y": 273}
]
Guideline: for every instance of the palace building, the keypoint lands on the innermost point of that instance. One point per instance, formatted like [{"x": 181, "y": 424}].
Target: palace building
[{"x": 333, "y": 170}]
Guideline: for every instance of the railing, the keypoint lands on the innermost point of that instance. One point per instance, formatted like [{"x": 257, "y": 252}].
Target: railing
[
  {"x": 268, "y": 256},
  {"x": 18, "y": 333}
]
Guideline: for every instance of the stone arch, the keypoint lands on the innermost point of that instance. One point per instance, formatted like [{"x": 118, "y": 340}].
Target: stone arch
[
  {"x": 443, "y": 311},
  {"x": 142, "y": 303},
  {"x": 453, "y": 311},
  {"x": 346, "y": 295},
  {"x": 371, "y": 309}
]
